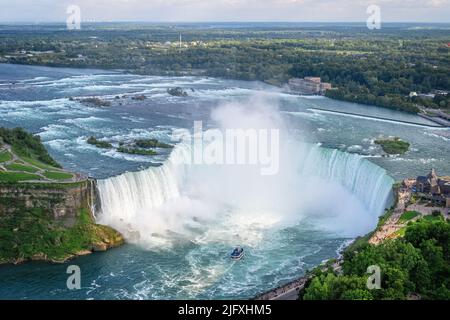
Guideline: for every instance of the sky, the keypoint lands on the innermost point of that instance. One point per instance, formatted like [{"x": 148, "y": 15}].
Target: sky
[{"x": 225, "y": 10}]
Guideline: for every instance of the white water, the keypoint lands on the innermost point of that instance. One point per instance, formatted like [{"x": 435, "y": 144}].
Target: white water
[{"x": 341, "y": 193}]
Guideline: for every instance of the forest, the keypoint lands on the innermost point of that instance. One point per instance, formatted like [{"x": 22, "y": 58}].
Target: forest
[
  {"x": 379, "y": 67},
  {"x": 415, "y": 265}
]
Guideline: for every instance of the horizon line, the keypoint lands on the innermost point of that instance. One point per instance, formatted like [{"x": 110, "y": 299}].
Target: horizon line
[{"x": 206, "y": 21}]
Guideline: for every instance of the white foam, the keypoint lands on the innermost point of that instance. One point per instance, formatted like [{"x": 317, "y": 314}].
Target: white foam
[{"x": 232, "y": 204}]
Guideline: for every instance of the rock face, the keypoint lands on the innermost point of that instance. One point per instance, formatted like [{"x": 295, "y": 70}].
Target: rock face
[
  {"x": 51, "y": 222},
  {"x": 177, "y": 92},
  {"x": 63, "y": 202}
]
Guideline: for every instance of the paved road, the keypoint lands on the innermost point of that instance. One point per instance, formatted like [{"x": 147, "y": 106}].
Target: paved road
[{"x": 288, "y": 295}]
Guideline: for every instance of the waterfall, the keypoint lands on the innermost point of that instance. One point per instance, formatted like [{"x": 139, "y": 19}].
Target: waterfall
[
  {"x": 124, "y": 196},
  {"x": 159, "y": 199},
  {"x": 92, "y": 197},
  {"x": 364, "y": 179}
]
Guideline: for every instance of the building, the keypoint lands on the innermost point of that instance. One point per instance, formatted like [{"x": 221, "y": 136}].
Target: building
[
  {"x": 434, "y": 188},
  {"x": 309, "y": 85}
]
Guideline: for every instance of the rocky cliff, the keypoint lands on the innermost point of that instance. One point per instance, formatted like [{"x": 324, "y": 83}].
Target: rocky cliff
[
  {"x": 62, "y": 202},
  {"x": 51, "y": 222}
]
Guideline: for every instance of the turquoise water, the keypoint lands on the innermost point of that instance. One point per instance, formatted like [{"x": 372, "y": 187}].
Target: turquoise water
[{"x": 184, "y": 244}]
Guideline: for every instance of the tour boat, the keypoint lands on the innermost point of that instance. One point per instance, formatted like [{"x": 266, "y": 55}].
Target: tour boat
[{"x": 237, "y": 253}]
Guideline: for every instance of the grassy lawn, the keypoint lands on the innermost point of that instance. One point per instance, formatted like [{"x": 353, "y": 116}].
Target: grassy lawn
[
  {"x": 5, "y": 156},
  {"x": 50, "y": 185},
  {"x": 20, "y": 167},
  {"x": 37, "y": 163},
  {"x": 400, "y": 232},
  {"x": 382, "y": 219},
  {"x": 408, "y": 215},
  {"x": 17, "y": 176},
  {"x": 432, "y": 218},
  {"x": 54, "y": 175}
]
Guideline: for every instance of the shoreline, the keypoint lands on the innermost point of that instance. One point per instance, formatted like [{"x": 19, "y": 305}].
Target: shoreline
[
  {"x": 125, "y": 71},
  {"x": 290, "y": 290},
  {"x": 44, "y": 259},
  {"x": 46, "y": 217},
  {"x": 388, "y": 228}
]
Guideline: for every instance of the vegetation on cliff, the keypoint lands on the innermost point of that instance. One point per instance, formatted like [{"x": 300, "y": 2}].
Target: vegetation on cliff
[
  {"x": 27, "y": 146},
  {"x": 23, "y": 158},
  {"x": 417, "y": 264},
  {"x": 5, "y": 155},
  {"x": 33, "y": 234},
  {"x": 44, "y": 210},
  {"x": 393, "y": 146}
]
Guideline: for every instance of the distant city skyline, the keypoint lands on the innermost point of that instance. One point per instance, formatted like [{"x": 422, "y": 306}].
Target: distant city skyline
[{"x": 225, "y": 10}]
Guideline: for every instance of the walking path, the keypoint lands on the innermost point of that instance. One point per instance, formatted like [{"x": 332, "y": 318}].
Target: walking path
[
  {"x": 39, "y": 171},
  {"x": 388, "y": 230},
  {"x": 291, "y": 290},
  {"x": 391, "y": 226}
]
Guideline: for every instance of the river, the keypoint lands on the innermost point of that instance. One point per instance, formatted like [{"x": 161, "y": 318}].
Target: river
[{"x": 333, "y": 183}]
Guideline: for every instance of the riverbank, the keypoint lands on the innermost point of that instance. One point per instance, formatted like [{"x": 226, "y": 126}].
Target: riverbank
[
  {"x": 46, "y": 213},
  {"x": 193, "y": 73},
  {"x": 50, "y": 222},
  {"x": 291, "y": 290},
  {"x": 392, "y": 225}
]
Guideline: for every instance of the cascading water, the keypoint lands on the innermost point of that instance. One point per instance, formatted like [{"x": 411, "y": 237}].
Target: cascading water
[
  {"x": 231, "y": 203},
  {"x": 343, "y": 189},
  {"x": 123, "y": 197},
  {"x": 365, "y": 180}
]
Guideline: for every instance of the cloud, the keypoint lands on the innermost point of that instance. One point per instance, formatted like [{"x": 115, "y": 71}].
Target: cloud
[
  {"x": 226, "y": 10},
  {"x": 438, "y": 3}
]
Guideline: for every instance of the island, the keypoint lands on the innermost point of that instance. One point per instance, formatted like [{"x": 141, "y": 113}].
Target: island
[
  {"x": 137, "y": 151},
  {"x": 143, "y": 147},
  {"x": 152, "y": 143},
  {"x": 393, "y": 145},
  {"x": 92, "y": 101},
  {"x": 98, "y": 143},
  {"x": 177, "y": 92},
  {"x": 46, "y": 212}
]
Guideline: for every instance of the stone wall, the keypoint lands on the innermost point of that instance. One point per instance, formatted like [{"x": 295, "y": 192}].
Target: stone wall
[{"x": 62, "y": 201}]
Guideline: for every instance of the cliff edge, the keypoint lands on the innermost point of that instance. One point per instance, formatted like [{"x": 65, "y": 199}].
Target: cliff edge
[{"x": 45, "y": 211}]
